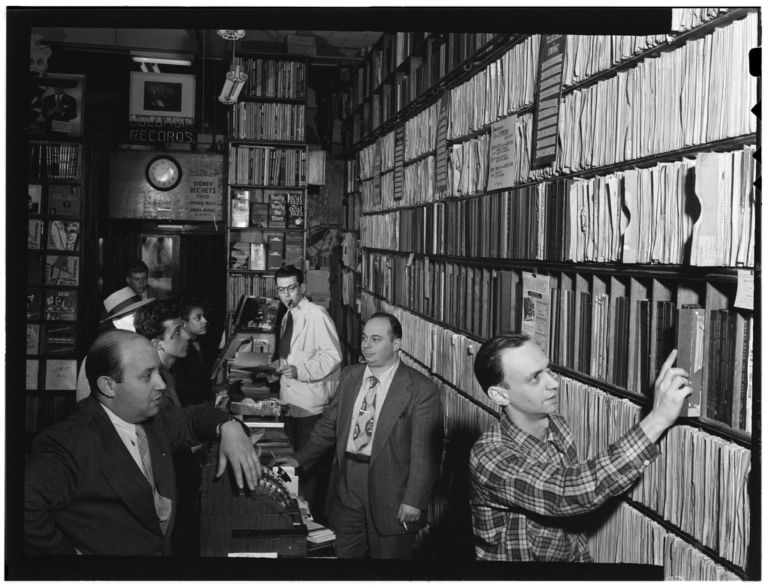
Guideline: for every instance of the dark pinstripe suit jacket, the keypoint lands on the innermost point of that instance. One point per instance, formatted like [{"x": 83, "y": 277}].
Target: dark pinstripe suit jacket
[
  {"x": 406, "y": 450},
  {"x": 83, "y": 489}
]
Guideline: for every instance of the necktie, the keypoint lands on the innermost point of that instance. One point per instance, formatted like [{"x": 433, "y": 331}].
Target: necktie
[
  {"x": 285, "y": 338},
  {"x": 365, "y": 418},
  {"x": 162, "y": 504}
]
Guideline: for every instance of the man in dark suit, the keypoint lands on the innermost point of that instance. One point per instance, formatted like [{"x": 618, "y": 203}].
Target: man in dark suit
[
  {"x": 385, "y": 424},
  {"x": 59, "y": 106},
  {"x": 102, "y": 481}
]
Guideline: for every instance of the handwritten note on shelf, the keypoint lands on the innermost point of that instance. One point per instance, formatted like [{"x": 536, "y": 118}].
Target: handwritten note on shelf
[{"x": 501, "y": 151}]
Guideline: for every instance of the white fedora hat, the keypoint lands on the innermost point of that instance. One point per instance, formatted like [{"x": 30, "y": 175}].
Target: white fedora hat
[{"x": 122, "y": 302}]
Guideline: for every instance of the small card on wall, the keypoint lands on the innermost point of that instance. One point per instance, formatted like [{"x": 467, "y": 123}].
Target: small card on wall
[
  {"x": 33, "y": 339},
  {"x": 61, "y": 304},
  {"x": 35, "y": 233},
  {"x": 64, "y": 200},
  {"x": 62, "y": 270},
  {"x": 63, "y": 235},
  {"x": 32, "y": 373},
  {"x": 34, "y": 198},
  {"x": 60, "y": 374}
]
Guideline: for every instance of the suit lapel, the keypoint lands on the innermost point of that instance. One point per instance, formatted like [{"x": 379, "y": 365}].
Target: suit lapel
[
  {"x": 397, "y": 399},
  {"x": 121, "y": 471},
  {"x": 162, "y": 464}
]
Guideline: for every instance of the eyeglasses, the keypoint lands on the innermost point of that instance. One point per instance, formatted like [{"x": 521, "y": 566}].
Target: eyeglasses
[{"x": 289, "y": 289}]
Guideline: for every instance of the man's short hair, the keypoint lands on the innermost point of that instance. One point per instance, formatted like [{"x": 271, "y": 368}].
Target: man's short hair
[
  {"x": 105, "y": 356},
  {"x": 149, "y": 319},
  {"x": 290, "y": 271},
  {"x": 394, "y": 324},
  {"x": 488, "y": 368},
  {"x": 138, "y": 267}
]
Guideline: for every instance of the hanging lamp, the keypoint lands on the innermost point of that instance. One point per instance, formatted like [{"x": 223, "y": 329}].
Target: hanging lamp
[{"x": 235, "y": 79}]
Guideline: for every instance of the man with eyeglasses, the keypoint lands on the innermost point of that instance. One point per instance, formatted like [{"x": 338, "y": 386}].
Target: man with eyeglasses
[
  {"x": 309, "y": 365},
  {"x": 528, "y": 486}
]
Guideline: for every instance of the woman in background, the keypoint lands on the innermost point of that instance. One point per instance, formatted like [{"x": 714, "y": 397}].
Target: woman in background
[{"x": 193, "y": 373}]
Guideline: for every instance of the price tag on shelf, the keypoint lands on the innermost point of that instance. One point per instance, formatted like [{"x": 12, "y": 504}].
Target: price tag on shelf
[{"x": 745, "y": 290}]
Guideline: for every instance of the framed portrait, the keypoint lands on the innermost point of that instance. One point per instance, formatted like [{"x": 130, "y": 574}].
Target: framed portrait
[
  {"x": 169, "y": 95},
  {"x": 56, "y": 105},
  {"x": 161, "y": 254}
]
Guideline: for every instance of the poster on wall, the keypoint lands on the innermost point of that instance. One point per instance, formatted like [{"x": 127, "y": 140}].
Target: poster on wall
[
  {"x": 164, "y": 95},
  {"x": 157, "y": 252},
  {"x": 56, "y": 105}
]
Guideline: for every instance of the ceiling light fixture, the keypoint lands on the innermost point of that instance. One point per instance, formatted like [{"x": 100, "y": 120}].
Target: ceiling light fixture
[
  {"x": 148, "y": 60},
  {"x": 235, "y": 79}
]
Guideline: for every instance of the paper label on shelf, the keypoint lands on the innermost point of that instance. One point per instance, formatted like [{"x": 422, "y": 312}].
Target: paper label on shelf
[
  {"x": 535, "y": 308},
  {"x": 501, "y": 167},
  {"x": 252, "y": 554},
  {"x": 745, "y": 290}
]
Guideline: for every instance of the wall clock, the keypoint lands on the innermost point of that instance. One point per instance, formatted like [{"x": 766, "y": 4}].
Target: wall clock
[{"x": 163, "y": 173}]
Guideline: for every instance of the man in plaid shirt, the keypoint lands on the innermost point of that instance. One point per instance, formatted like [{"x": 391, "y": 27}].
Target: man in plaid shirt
[{"x": 527, "y": 483}]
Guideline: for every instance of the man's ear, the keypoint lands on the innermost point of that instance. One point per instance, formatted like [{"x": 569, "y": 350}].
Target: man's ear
[
  {"x": 107, "y": 386},
  {"x": 498, "y": 394},
  {"x": 157, "y": 344},
  {"x": 397, "y": 343}
]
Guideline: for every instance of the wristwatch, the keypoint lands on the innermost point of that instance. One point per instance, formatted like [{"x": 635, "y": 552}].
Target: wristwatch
[{"x": 232, "y": 419}]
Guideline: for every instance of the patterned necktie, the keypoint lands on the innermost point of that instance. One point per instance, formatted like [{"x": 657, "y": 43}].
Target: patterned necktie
[
  {"x": 285, "y": 338},
  {"x": 365, "y": 418},
  {"x": 162, "y": 504}
]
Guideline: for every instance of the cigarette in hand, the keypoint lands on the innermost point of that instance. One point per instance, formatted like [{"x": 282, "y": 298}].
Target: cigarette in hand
[{"x": 405, "y": 526}]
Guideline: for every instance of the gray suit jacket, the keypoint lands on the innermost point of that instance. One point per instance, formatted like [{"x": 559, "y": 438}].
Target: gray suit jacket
[{"x": 406, "y": 450}]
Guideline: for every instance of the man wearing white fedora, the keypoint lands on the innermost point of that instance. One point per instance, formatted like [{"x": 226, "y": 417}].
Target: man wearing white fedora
[{"x": 119, "y": 309}]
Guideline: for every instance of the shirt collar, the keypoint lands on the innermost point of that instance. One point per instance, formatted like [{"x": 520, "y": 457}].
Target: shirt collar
[
  {"x": 119, "y": 423},
  {"x": 382, "y": 377},
  {"x": 528, "y": 443},
  {"x": 301, "y": 305}
]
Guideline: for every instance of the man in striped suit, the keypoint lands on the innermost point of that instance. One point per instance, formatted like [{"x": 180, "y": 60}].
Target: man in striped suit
[{"x": 385, "y": 426}]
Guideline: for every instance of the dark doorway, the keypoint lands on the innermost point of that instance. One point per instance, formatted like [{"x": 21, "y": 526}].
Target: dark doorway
[{"x": 197, "y": 268}]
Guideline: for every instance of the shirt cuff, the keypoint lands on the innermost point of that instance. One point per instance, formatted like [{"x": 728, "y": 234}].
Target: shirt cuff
[{"x": 640, "y": 450}]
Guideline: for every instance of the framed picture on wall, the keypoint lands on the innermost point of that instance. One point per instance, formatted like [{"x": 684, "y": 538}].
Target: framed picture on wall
[
  {"x": 56, "y": 105},
  {"x": 170, "y": 95},
  {"x": 161, "y": 254}
]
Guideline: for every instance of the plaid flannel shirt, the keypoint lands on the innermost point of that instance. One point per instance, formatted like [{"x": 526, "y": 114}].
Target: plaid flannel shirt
[{"x": 523, "y": 490}]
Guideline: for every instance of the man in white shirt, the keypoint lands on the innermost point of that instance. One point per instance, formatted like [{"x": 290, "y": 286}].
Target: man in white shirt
[
  {"x": 102, "y": 481},
  {"x": 309, "y": 365},
  {"x": 385, "y": 426}
]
